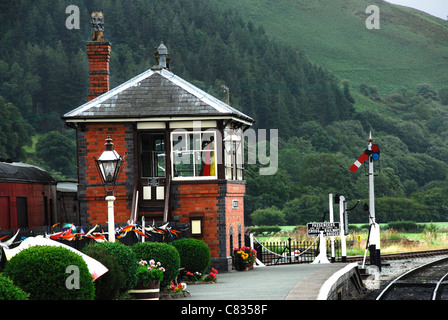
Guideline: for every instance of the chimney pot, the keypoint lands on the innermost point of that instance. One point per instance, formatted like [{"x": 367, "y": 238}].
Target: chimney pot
[{"x": 97, "y": 22}]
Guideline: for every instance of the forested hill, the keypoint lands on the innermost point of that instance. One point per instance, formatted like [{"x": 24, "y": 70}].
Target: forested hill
[
  {"x": 46, "y": 61},
  {"x": 410, "y": 47},
  {"x": 323, "y": 120}
]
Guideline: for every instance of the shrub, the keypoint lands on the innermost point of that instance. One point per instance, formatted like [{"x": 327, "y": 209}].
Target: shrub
[
  {"x": 9, "y": 291},
  {"x": 126, "y": 259},
  {"x": 165, "y": 253},
  {"x": 42, "y": 272},
  {"x": 112, "y": 283},
  {"x": 405, "y": 226},
  {"x": 194, "y": 254},
  {"x": 267, "y": 229}
]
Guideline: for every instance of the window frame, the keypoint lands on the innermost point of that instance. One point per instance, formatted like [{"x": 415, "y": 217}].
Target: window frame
[
  {"x": 153, "y": 153},
  {"x": 192, "y": 150},
  {"x": 234, "y": 158}
]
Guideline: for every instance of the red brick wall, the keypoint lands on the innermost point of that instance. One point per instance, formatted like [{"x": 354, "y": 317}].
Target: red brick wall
[
  {"x": 235, "y": 217},
  {"x": 92, "y": 193},
  {"x": 213, "y": 202}
]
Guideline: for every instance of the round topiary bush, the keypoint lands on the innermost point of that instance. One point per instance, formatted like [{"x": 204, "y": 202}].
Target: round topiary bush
[
  {"x": 165, "y": 253},
  {"x": 9, "y": 291},
  {"x": 126, "y": 259},
  {"x": 112, "y": 283},
  {"x": 194, "y": 254},
  {"x": 46, "y": 273}
]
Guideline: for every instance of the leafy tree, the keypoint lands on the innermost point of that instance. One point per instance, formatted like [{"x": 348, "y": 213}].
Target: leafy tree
[
  {"x": 14, "y": 132},
  {"x": 396, "y": 209},
  {"x": 427, "y": 91},
  {"x": 308, "y": 208},
  {"x": 443, "y": 95},
  {"x": 327, "y": 171},
  {"x": 58, "y": 152},
  {"x": 437, "y": 201},
  {"x": 268, "y": 217}
]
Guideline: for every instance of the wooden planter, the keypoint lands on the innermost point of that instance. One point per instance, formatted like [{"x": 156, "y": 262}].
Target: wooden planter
[
  {"x": 241, "y": 266},
  {"x": 151, "y": 292}
]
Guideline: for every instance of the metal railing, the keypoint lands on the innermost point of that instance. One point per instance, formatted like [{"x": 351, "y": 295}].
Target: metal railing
[{"x": 291, "y": 251}]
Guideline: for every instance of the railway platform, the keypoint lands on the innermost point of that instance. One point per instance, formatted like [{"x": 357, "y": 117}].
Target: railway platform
[{"x": 284, "y": 282}]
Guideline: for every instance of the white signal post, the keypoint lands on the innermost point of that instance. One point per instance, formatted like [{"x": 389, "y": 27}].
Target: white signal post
[
  {"x": 342, "y": 231},
  {"x": 375, "y": 248},
  {"x": 330, "y": 203}
]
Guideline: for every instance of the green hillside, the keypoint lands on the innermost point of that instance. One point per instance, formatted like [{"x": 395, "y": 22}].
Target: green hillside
[{"x": 410, "y": 47}]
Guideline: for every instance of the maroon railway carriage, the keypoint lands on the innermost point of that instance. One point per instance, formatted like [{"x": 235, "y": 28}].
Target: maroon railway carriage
[{"x": 27, "y": 196}]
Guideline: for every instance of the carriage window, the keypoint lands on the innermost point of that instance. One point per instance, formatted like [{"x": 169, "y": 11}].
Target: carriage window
[{"x": 193, "y": 154}]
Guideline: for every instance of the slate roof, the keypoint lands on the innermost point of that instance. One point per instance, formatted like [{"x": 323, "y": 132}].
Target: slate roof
[{"x": 154, "y": 93}]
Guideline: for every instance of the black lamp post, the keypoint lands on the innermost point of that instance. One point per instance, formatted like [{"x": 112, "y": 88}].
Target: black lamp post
[{"x": 109, "y": 164}]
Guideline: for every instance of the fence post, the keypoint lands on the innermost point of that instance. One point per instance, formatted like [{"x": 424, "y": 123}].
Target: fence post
[{"x": 289, "y": 247}]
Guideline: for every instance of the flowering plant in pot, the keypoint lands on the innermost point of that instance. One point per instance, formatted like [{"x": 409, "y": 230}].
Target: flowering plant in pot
[
  {"x": 244, "y": 257},
  {"x": 245, "y": 254},
  {"x": 149, "y": 275},
  {"x": 148, "y": 272}
]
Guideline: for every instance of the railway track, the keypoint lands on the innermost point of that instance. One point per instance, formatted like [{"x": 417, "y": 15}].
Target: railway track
[
  {"x": 425, "y": 282},
  {"x": 403, "y": 255}
]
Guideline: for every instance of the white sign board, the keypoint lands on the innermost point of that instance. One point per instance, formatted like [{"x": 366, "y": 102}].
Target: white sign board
[{"x": 329, "y": 229}]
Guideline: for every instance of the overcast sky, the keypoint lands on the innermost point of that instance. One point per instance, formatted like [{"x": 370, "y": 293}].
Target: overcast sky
[{"x": 438, "y": 8}]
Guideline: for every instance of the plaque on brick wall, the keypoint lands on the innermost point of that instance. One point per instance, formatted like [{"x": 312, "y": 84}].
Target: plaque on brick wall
[{"x": 235, "y": 204}]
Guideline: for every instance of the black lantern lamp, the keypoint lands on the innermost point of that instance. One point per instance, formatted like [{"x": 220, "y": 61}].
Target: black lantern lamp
[{"x": 109, "y": 164}]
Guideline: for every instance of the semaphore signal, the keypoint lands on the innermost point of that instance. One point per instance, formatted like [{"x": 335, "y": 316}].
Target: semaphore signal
[
  {"x": 359, "y": 162},
  {"x": 373, "y": 154}
]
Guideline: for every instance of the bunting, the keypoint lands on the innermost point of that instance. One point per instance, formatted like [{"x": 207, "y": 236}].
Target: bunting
[{"x": 69, "y": 233}]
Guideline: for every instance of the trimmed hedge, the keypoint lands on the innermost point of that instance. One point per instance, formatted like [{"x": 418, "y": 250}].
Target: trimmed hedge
[
  {"x": 265, "y": 229},
  {"x": 9, "y": 291},
  {"x": 406, "y": 226},
  {"x": 126, "y": 259},
  {"x": 111, "y": 284},
  {"x": 42, "y": 272},
  {"x": 165, "y": 253},
  {"x": 194, "y": 254}
]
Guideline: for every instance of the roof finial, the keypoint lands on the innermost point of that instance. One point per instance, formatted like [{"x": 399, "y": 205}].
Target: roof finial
[{"x": 162, "y": 57}]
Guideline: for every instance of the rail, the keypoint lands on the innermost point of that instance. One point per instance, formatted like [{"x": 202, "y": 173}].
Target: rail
[
  {"x": 403, "y": 255},
  {"x": 418, "y": 277}
]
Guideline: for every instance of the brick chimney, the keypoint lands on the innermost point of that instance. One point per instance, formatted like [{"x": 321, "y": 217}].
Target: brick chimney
[{"x": 98, "y": 52}]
